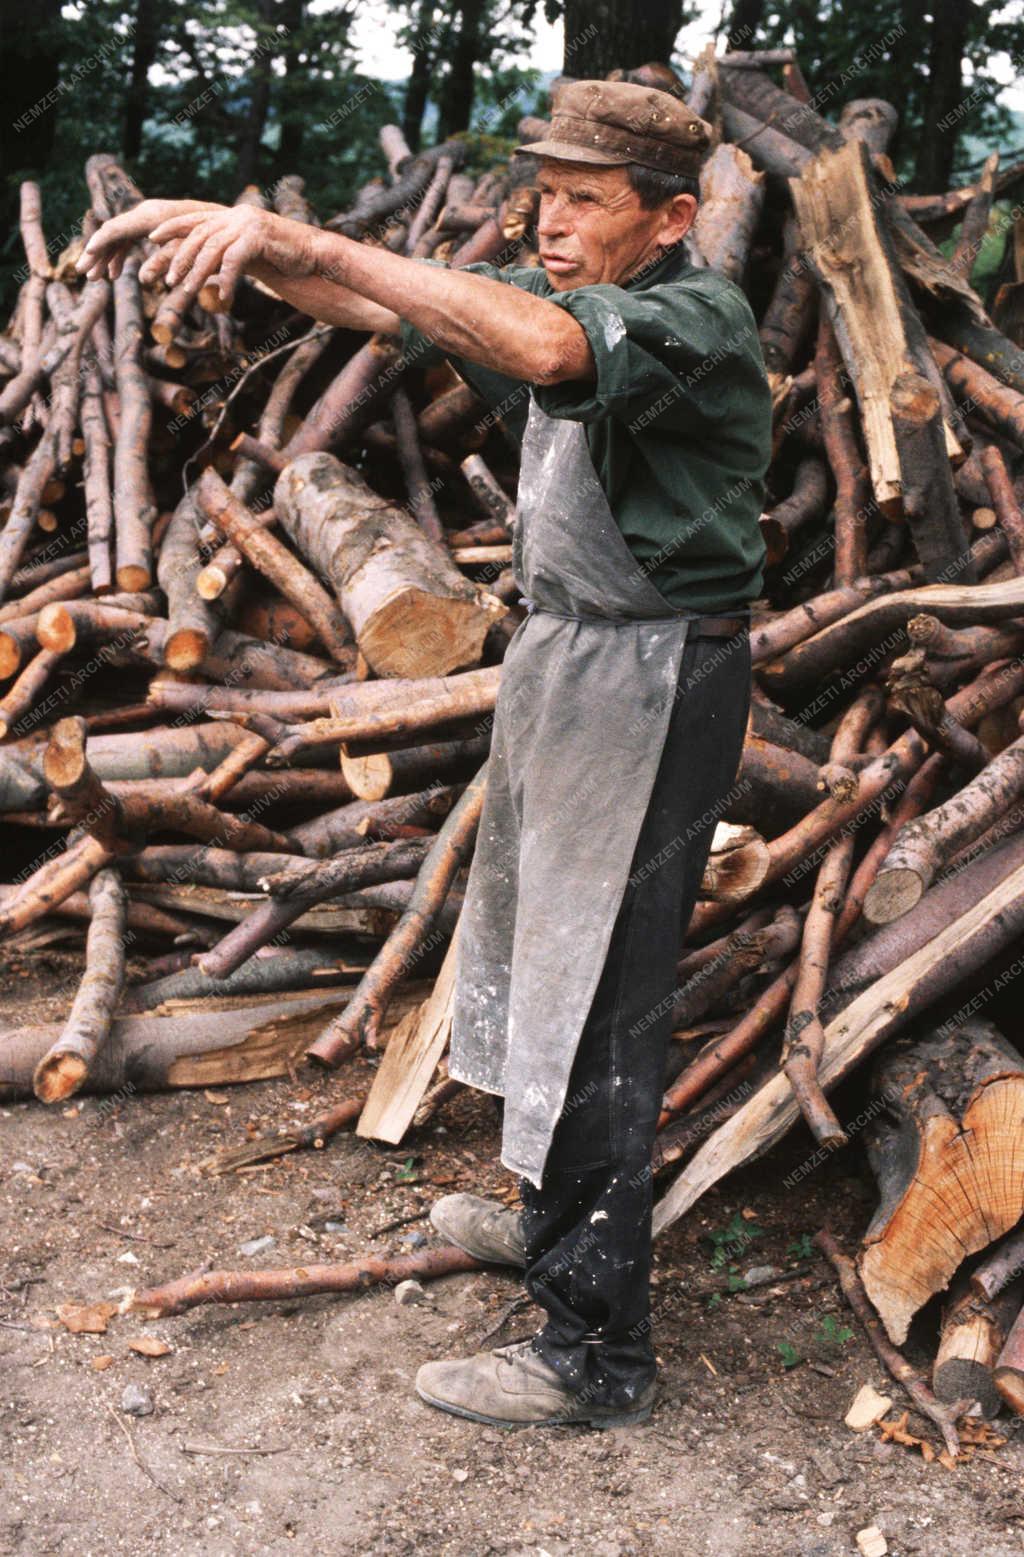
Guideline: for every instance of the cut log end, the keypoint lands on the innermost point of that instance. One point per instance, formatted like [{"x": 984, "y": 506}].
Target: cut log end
[
  {"x": 419, "y": 634},
  {"x": 891, "y": 894},
  {"x": 368, "y": 777},
  {"x": 1010, "y": 1384},
  {"x": 211, "y": 582},
  {"x": 64, "y": 761},
  {"x": 56, "y": 628},
  {"x": 186, "y": 649},
  {"x": 58, "y": 1077},
  {"x": 10, "y": 656},
  {"x": 133, "y": 578}
]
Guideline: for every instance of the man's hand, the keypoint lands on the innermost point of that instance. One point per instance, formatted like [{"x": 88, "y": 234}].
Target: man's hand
[{"x": 199, "y": 242}]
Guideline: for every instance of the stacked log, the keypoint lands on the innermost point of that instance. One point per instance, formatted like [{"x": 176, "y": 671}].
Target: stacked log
[{"x": 255, "y": 593}]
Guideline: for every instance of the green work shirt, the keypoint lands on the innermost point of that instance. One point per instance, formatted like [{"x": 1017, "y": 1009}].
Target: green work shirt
[{"x": 678, "y": 419}]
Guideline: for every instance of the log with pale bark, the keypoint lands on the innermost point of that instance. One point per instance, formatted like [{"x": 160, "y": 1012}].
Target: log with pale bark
[{"x": 412, "y": 612}]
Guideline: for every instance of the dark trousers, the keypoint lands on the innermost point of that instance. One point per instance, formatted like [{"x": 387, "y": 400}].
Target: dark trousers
[{"x": 588, "y": 1227}]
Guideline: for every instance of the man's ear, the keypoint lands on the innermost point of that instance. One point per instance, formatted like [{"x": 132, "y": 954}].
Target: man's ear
[{"x": 680, "y": 215}]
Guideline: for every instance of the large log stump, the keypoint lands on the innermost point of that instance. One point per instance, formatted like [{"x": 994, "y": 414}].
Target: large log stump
[
  {"x": 413, "y": 613},
  {"x": 945, "y": 1155}
]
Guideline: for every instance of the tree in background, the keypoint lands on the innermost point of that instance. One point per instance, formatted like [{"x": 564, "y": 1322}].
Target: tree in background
[
  {"x": 932, "y": 59},
  {"x": 602, "y": 35}
]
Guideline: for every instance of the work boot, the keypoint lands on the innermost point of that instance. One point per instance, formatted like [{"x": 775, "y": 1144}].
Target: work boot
[
  {"x": 512, "y": 1386},
  {"x": 482, "y": 1227}
]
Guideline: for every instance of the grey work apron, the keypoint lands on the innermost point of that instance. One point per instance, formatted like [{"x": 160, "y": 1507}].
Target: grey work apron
[{"x": 579, "y": 727}]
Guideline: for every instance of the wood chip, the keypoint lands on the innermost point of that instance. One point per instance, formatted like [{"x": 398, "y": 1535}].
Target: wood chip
[
  {"x": 868, "y": 1408},
  {"x": 86, "y": 1318},
  {"x": 149, "y": 1346},
  {"x": 871, "y": 1542}
]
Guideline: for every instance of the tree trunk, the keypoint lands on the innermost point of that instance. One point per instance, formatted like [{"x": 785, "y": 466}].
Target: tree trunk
[
  {"x": 456, "y": 103},
  {"x": 602, "y": 35},
  {"x": 136, "y": 106},
  {"x": 937, "y": 141},
  {"x": 260, "y": 77}
]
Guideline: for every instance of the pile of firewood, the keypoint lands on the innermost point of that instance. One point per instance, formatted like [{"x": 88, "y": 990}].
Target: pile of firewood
[{"x": 255, "y": 590}]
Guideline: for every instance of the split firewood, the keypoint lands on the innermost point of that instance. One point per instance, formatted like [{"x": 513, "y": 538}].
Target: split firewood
[
  {"x": 64, "y": 1068},
  {"x": 892, "y": 999},
  {"x": 943, "y": 1155},
  {"x": 973, "y": 1333}
]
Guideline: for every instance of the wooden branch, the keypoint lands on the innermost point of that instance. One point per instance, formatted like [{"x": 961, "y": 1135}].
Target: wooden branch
[
  {"x": 361, "y": 1020},
  {"x": 300, "y": 1281},
  {"x": 944, "y": 1417},
  {"x": 63, "y": 1069},
  {"x": 268, "y": 556}
]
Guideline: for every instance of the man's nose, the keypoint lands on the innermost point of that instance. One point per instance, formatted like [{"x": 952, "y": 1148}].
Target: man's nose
[{"x": 554, "y": 216}]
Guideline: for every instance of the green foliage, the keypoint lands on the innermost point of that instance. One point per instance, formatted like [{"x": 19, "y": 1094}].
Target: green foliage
[
  {"x": 801, "y": 1248},
  {"x": 831, "y": 1333},
  {"x": 727, "y": 1241},
  {"x": 790, "y": 1356}
]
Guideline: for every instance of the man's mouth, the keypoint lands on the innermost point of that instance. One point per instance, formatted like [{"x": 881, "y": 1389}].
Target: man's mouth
[{"x": 557, "y": 262}]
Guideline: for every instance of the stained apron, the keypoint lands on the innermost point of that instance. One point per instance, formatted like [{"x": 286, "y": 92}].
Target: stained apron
[{"x": 586, "y": 695}]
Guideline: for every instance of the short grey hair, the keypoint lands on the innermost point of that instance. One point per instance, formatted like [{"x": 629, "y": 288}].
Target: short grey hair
[{"x": 655, "y": 187}]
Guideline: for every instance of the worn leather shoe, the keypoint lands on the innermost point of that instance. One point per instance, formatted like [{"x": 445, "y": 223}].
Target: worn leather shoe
[
  {"x": 512, "y": 1386},
  {"x": 482, "y": 1227}
]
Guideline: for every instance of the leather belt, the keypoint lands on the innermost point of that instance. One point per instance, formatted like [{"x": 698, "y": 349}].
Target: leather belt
[{"x": 701, "y": 626}]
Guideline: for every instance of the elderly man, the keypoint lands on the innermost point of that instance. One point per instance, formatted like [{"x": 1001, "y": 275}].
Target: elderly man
[{"x": 635, "y": 383}]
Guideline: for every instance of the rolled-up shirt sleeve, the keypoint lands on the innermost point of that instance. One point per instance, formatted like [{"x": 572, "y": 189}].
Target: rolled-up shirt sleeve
[{"x": 667, "y": 357}]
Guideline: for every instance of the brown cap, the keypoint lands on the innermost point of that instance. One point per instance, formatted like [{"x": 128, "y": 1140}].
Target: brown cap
[{"x": 619, "y": 122}]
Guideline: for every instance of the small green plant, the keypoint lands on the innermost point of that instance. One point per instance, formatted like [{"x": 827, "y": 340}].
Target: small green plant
[
  {"x": 801, "y": 1248},
  {"x": 790, "y": 1355},
  {"x": 407, "y": 1171},
  {"x": 727, "y": 1241},
  {"x": 714, "y": 1300},
  {"x": 735, "y": 1281},
  {"x": 832, "y": 1333}
]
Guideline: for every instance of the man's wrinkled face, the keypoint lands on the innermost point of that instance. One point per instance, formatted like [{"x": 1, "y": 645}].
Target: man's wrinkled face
[{"x": 592, "y": 227}]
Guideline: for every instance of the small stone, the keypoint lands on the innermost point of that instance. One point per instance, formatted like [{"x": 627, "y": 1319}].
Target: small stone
[
  {"x": 825, "y": 1519},
  {"x": 757, "y": 1275},
  {"x": 459, "y": 1474},
  {"x": 256, "y": 1245},
  {"x": 871, "y": 1542},
  {"x": 408, "y": 1292},
  {"x": 868, "y": 1408},
  {"x": 414, "y": 1240},
  {"x": 335, "y": 1227},
  {"x": 136, "y": 1400}
]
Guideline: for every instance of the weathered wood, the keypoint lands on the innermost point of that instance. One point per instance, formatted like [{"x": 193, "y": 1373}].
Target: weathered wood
[
  {"x": 64, "y": 1068},
  {"x": 410, "y": 1060},
  {"x": 412, "y": 612},
  {"x": 944, "y": 1155},
  {"x": 968, "y": 939}
]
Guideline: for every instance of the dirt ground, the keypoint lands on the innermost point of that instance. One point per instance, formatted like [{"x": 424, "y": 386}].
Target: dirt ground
[{"x": 284, "y": 1427}]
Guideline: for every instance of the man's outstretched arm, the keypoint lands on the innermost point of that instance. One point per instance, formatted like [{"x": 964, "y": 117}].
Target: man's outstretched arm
[{"x": 344, "y": 282}]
